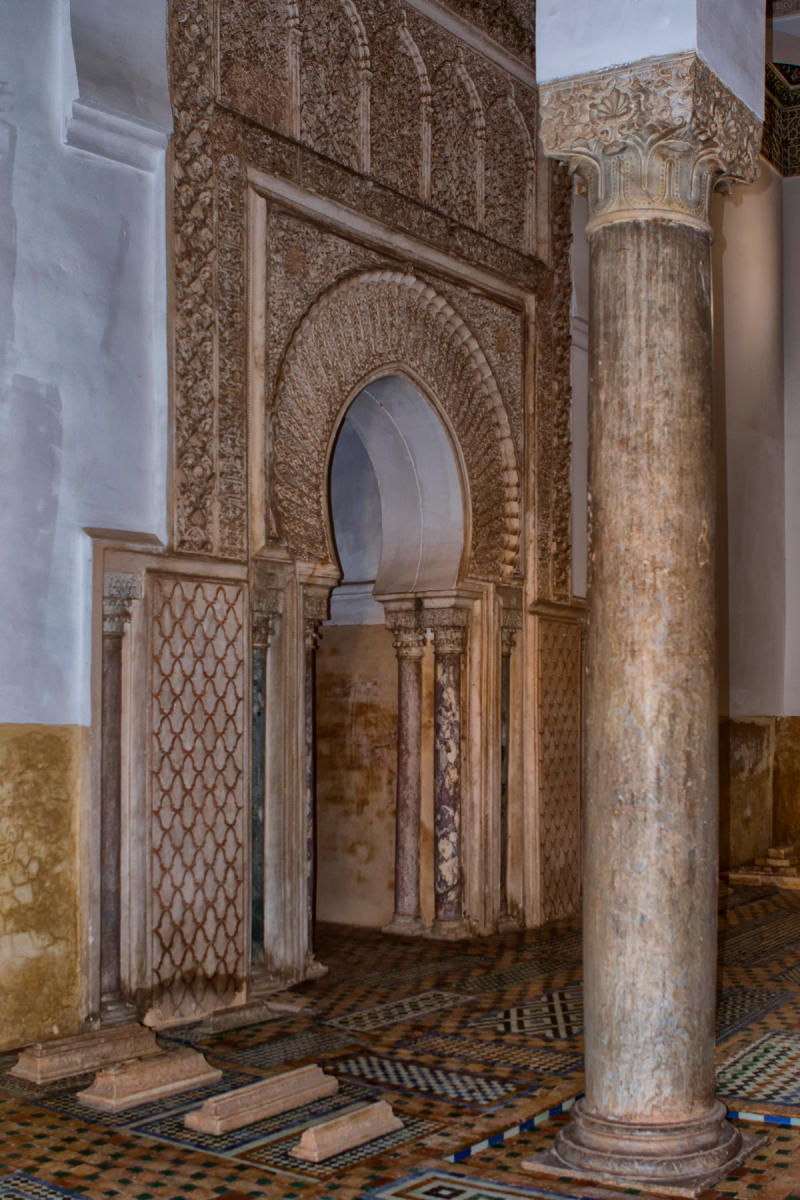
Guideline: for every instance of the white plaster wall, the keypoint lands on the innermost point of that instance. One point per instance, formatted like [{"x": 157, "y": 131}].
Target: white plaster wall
[
  {"x": 749, "y": 394},
  {"x": 83, "y": 392},
  {"x": 584, "y": 35},
  {"x": 791, "y": 316}
]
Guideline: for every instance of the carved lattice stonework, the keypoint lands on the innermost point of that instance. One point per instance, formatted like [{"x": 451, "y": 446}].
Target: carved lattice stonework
[
  {"x": 375, "y": 323},
  {"x": 198, "y": 789},
  {"x": 559, "y": 765}
]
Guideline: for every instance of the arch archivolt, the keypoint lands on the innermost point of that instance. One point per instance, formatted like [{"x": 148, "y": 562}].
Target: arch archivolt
[{"x": 373, "y": 323}]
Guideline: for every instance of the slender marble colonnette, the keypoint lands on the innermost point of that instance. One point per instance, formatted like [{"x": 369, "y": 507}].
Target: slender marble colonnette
[
  {"x": 120, "y": 590},
  {"x": 651, "y": 142},
  {"x": 409, "y": 644},
  {"x": 315, "y": 610},
  {"x": 449, "y": 644}
]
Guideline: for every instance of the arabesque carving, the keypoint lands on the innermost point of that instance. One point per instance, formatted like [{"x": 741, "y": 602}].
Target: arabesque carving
[
  {"x": 658, "y": 136},
  {"x": 372, "y": 324}
]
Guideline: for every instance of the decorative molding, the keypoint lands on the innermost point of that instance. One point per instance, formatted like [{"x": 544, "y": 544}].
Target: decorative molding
[
  {"x": 651, "y": 140},
  {"x": 479, "y": 41},
  {"x": 117, "y": 138},
  {"x": 363, "y": 326},
  {"x": 781, "y": 144},
  {"x": 120, "y": 590}
]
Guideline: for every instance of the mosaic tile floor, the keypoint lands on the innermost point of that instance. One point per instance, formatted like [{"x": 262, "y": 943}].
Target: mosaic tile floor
[{"x": 477, "y": 1046}]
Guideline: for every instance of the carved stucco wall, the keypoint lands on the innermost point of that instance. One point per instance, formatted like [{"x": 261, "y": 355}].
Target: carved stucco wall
[{"x": 419, "y": 132}]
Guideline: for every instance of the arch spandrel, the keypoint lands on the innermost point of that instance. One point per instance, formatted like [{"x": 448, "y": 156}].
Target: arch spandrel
[{"x": 364, "y": 326}]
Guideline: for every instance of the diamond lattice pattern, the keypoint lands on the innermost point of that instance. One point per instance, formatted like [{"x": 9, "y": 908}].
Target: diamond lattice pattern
[
  {"x": 198, "y": 783},
  {"x": 560, "y": 765}
]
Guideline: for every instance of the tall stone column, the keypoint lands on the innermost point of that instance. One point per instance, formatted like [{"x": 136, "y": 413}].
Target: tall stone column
[
  {"x": 512, "y": 623},
  {"x": 120, "y": 590},
  {"x": 409, "y": 644},
  {"x": 315, "y": 610},
  {"x": 449, "y": 644},
  {"x": 651, "y": 142},
  {"x": 267, "y": 607}
]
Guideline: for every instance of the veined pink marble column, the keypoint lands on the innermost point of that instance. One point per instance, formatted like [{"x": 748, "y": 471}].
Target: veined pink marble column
[
  {"x": 449, "y": 643},
  {"x": 120, "y": 590},
  {"x": 315, "y": 610},
  {"x": 409, "y": 644},
  {"x": 651, "y": 141}
]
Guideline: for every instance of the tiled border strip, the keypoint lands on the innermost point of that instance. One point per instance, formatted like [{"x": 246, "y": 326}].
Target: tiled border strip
[
  {"x": 764, "y": 1118},
  {"x": 505, "y": 1135}
]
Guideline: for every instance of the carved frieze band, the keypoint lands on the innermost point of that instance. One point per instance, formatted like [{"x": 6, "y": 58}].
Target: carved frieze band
[
  {"x": 366, "y": 324},
  {"x": 120, "y": 589},
  {"x": 651, "y": 140}
]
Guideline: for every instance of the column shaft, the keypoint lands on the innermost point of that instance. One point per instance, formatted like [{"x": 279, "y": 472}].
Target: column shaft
[
  {"x": 111, "y": 819},
  {"x": 449, "y": 642}
]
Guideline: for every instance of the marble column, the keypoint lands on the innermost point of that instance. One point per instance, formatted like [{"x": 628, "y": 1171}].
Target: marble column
[
  {"x": 508, "y": 634},
  {"x": 409, "y": 644},
  {"x": 315, "y": 610},
  {"x": 449, "y": 644},
  {"x": 266, "y": 610},
  {"x": 120, "y": 590},
  {"x": 651, "y": 142}
]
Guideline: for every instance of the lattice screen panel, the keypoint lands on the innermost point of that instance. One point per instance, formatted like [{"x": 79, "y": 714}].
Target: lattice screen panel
[
  {"x": 198, "y": 791},
  {"x": 560, "y": 765}
]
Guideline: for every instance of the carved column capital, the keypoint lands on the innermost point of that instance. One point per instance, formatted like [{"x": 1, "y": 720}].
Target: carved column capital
[
  {"x": 651, "y": 140},
  {"x": 512, "y": 624},
  {"x": 315, "y": 611},
  {"x": 267, "y": 607},
  {"x": 408, "y": 637},
  {"x": 120, "y": 589},
  {"x": 450, "y": 634}
]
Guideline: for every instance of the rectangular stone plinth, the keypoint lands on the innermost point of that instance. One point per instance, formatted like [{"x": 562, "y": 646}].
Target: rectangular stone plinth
[
  {"x": 323, "y": 1141},
  {"x": 245, "y": 1105},
  {"x": 141, "y": 1080},
  {"x": 85, "y": 1052},
  {"x": 549, "y": 1163}
]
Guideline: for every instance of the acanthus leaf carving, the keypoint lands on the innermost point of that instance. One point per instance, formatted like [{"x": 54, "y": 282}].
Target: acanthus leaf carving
[{"x": 652, "y": 139}]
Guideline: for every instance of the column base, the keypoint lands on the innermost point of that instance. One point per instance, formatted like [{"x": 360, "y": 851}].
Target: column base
[
  {"x": 678, "y": 1159},
  {"x": 405, "y": 926},
  {"x": 508, "y": 924},
  {"x": 454, "y": 929},
  {"x": 314, "y": 969}
]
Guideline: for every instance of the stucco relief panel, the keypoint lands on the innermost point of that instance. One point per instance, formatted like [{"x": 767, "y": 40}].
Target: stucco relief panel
[{"x": 197, "y": 790}]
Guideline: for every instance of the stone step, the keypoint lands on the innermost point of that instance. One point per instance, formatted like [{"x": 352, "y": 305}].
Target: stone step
[
  {"x": 323, "y": 1141},
  {"x": 232, "y": 1110},
  {"x": 84, "y": 1052},
  {"x": 143, "y": 1079}
]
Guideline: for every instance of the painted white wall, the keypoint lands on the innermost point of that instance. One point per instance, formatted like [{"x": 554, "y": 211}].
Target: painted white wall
[
  {"x": 791, "y": 344},
  {"x": 83, "y": 389},
  {"x": 750, "y": 398},
  {"x": 583, "y": 36}
]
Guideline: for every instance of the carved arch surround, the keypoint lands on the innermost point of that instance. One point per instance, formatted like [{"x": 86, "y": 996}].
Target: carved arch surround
[{"x": 362, "y": 326}]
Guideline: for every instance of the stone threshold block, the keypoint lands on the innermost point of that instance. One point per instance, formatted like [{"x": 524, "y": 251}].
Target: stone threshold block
[
  {"x": 130, "y": 1083},
  {"x": 323, "y": 1141},
  {"x": 549, "y": 1162},
  {"x": 245, "y": 1105},
  {"x": 46, "y": 1061}
]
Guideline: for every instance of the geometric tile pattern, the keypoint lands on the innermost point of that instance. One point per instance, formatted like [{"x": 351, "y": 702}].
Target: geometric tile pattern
[
  {"x": 736, "y": 1006},
  {"x": 441, "y": 1185},
  {"x": 770, "y": 937},
  {"x": 769, "y": 1069},
  {"x": 472, "y": 1089},
  {"x": 19, "y": 1186},
  {"x": 790, "y": 975},
  {"x": 559, "y": 741},
  {"x": 532, "y": 1058},
  {"x": 381, "y": 1015},
  {"x": 498, "y": 981},
  {"x": 197, "y": 764},
  {"x": 556, "y": 1014},
  {"x": 275, "y": 1154},
  {"x": 279, "y": 1050}
]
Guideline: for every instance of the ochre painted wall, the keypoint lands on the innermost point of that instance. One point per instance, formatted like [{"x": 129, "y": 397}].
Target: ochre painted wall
[
  {"x": 40, "y": 787},
  {"x": 356, "y": 765}
]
